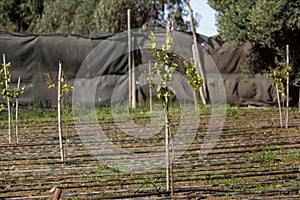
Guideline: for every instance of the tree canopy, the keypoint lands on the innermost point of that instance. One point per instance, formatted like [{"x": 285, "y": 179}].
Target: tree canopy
[
  {"x": 269, "y": 25},
  {"x": 88, "y": 16}
]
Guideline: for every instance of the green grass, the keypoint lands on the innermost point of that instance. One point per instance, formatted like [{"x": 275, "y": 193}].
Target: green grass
[
  {"x": 264, "y": 156},
  {"x": 230, "y": 112},
  {"x": 35, "y": 114}
]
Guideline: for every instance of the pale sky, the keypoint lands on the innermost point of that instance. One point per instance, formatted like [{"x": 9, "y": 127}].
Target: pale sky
[{"x": 207, "y": 21}]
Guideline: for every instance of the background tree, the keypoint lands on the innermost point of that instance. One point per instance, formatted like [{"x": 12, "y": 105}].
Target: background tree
[
  {"x": 84, "y": 17},
  {"x": 269, "y": 25},
  {"x": 88, "y": 16},
  {"x": 57, "y": 17},
  {"x": 110, "y": 16},
  {"x": 19, "y": 15}
]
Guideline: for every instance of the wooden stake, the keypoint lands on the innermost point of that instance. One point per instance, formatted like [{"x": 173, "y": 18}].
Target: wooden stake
[
  {"x": 167, "y": 123},
  {"x": 17, "y": 109},
  {"x": 133, "y": 100},
  {"x": 201, "y": 91},
  {"x": 194, "y": 91},
  {"x": 8, "y": 100},
  {"x": 59, "y": 111},
  {"x": 197, "y": 61},
  {"x": 287, "y": 88},
  {"x": 129, "y": 59},
  {"x": 56, "y": 193}
]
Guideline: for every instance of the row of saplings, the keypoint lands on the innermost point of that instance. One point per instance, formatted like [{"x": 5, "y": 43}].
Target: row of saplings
[
  {"x": 165, "y": 66},
  {"x": 11, "y": 94}
]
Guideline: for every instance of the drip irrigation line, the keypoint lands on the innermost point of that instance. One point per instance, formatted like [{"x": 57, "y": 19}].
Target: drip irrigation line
[
  {"x": 211, "y": 175},
  {"x": 219, "y": 147},
  {"x": 228, "y": 152},
  {"x": 128, "y": 140},
  {"x": 182, "y": 160}
]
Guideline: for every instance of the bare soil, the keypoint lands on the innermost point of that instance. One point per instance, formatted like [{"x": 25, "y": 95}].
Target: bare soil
[{"x": 253, "y": 158}]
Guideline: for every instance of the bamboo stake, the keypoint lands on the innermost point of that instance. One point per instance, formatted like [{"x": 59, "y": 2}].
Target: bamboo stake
[
  {"x": 56, "y": 193},
  {"x": 59, "y": 111},
  {"x": 194, "y": 91},
  {"x": 287, "y": 88},
  {"x": 17, "y": 109},
  {"x": 133, "y": 100},
  {"x": 197, "y": 61},
  {"x": 278, "y": 101},
  {"x": 8, "y": 100},
  {"x": 129, "y": 59},
  {"x": 201, "y": 92}
]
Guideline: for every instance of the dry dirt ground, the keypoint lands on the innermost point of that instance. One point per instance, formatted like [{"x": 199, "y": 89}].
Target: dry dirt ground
[{"x": 253, "y": 159}]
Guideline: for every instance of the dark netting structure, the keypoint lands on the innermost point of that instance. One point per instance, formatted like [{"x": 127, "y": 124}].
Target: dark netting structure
[{"x": 33, "y": 56}]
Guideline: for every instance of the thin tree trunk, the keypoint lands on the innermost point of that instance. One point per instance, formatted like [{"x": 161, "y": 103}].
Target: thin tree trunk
[
  {"x": 167, "y": 145},
  {"x": 150, "y": 88},
  {"x": 195, "y": 100},
  {"x": 66, "y": 141},
  {"x": 279, "y": 102},
  {"x": 299, "y": 101},
  {"x": 17, "y": 110},
  {"x": 8, "y": 101},
  {"x": 171, "y": 165},
  {"x": 59, "y": 112}
]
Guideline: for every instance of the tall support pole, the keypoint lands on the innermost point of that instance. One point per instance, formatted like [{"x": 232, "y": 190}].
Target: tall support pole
[
  {"x": 287, "y": 88},
  {"x": 201, "y": 91},
  {"x": 7, "y": 99},
  {"x": 59, "y": 111},
  {"x": 167, "y": 125},
  {"x": 129, "y": 59},
  {"x": 133, "y": 86},
  {"x": 204, "y": 96}
]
